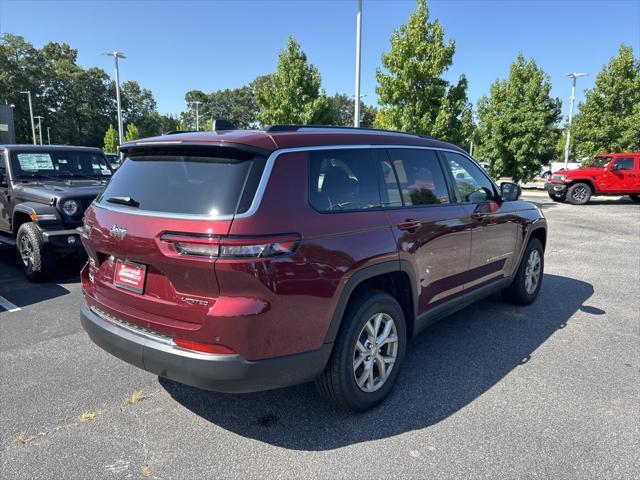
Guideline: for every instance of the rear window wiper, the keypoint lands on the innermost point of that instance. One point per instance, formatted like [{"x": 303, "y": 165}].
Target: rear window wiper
[{"x": 130, "y": 202}]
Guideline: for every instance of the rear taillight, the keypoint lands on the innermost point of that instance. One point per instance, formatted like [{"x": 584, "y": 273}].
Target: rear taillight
[
  {"x": 204, "y": 347},
  {"x": 232, "y": 247}
]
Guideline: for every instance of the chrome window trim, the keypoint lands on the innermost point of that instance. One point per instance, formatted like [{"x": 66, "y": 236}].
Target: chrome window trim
[{"x": 264, "y": 180}]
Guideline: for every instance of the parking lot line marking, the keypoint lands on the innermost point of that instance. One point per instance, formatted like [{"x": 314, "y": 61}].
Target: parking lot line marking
[{"x": 8, "y": 306}]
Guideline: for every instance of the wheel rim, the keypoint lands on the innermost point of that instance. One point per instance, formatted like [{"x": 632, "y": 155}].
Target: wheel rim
[
  {"x": 579, "y": 194},
  {"x": 532, "y": 272},
  {"x": 26, "y": 253},
  {"x": 375, "y": 352}
]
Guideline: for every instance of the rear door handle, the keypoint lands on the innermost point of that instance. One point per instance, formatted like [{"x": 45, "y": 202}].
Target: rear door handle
[{"x": 409, "y": 224}]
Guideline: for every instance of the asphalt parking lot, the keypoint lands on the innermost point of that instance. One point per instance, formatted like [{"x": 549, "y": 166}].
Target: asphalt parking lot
[{"x": 550, "y": 391}]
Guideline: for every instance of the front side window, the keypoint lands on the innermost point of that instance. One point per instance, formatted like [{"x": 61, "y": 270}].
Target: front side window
[
  {"x": 343, "y": 179},
  {"x": 473, "y": 185},
  {"x": 59, "y": 163},
  {"x": 417, "y": 176},
  {"x": 597, "y": 162},
  {"x": 624, "y": 163}
]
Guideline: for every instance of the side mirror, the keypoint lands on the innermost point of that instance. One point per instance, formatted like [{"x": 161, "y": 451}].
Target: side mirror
[
  {"x": 510, "y": 191},
  {"x": 614, "y": 167}
]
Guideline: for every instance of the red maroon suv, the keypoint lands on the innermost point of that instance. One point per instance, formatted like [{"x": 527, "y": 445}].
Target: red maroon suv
[{"x": 240, "y": 261}]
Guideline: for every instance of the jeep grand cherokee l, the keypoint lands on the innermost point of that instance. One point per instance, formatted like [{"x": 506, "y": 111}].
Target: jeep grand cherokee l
[
  {"x": 44, "y": 191},
  {"x": 240, "y": 261}
]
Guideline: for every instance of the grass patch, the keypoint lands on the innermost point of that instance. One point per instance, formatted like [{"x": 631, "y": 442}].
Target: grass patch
[
  {"x": 146, "y": 471},
  {"x": 23, "y": 438},
  {"x": 87, "y": 416},
  {"x": 134, "y": 398}
]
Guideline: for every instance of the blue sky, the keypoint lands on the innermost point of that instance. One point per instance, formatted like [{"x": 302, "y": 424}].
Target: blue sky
[{"x": 176, "y": 46}]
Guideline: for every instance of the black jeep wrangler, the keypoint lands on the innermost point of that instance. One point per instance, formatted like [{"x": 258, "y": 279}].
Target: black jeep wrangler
[{"x": 44, "y": 191}]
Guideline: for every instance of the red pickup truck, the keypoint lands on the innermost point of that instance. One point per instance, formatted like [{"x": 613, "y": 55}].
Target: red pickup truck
[{"x": 605, "y": 174}]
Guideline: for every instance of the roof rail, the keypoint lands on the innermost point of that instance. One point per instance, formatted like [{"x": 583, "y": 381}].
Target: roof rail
[
  {"x": 175, "y": 132},
  {"x": 297, "y": 128}
]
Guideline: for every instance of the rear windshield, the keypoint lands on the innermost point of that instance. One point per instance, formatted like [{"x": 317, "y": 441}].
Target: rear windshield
[{"x": 185, "y": 184}]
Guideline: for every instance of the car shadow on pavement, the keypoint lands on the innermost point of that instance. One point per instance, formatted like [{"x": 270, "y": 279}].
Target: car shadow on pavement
[
  {"x": 18, "y": 290},
  {"x": 447, "y": 367}
]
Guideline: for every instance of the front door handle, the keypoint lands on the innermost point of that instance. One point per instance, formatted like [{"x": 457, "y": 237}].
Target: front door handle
[{"x": 409, "y": 224}]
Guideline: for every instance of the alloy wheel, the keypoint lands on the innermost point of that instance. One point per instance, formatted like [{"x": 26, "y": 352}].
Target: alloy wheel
[
  {"x": 532, "y": 272},
  {"x": 579, "y": 194},
  {"x": 375, "y": 352},
  {"x": 26, "y": 252}
]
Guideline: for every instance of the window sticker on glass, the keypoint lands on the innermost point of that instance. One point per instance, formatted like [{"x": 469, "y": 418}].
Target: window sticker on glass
[
  {"x": 32, "y": 162},
  {"x": 105, "y": 171}
]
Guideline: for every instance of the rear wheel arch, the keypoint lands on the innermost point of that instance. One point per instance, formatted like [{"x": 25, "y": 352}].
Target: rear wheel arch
[{"x": 393, "y": 277}]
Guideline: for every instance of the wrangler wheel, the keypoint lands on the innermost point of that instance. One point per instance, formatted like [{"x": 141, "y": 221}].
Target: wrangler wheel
[
  {"x": 37, "y": 259},
  {"x": 579, "y": 193}
]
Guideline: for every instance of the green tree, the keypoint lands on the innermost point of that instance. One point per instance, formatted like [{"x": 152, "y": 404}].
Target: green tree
[
  {"x": 609, "y": 118},
  {"x": 110, "y": 140},
  {"x": 341, "y": 111},
  {"x": 412, "y": 94},
  {"x": 292, "y": 94},
  {"x": 518, "y": 122},
  {"x": 131, "y": 133}
]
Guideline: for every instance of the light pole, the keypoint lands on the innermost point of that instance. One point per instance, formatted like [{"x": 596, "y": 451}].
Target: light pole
[
  {"x": 33, "y": 125},
  {"x": 49, "y": 135},
  {"x": 39, "y": 126},
  {"x": 196, "y": 103},
  {"x": 567, "y": 147},
  {"x": 356, "y": 114},
  {"x": 116, "y": 55}
]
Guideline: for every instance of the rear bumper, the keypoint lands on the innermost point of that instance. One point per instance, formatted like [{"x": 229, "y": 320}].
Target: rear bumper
[{"x": 222, "y": 373}]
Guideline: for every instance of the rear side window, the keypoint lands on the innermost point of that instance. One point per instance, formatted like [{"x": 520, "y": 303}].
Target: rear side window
[
  {"x": 343, "y": 179},
  {"x": 625, "y": 163},
  {"x": 192, "y": 184},
  {"x": 419, "y": 178},
  {"x": 472, "y": 184}
]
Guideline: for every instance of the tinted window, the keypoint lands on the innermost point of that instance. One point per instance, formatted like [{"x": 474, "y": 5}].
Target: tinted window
[
  {"x": 624, "y": 163},
  {"x": 344, "y": 179},
  {"x": 59, "y": 163},
  {"x": 418, "y": 175},
  {"x": 473, "y": 185},
  {"x": 186, "y": 184}
]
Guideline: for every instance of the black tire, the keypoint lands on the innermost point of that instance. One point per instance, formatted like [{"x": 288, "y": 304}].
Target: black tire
[
  {"x": 635, "y": 198},
  {"x": 557, "y": 198},
  {"x": 546, "y": 175},
  {"x": 579, "y": 193},
  {"x": 338, "y": 381},
  {"x": 37, "y": 259},
  {"x": 517, "y": 292}
]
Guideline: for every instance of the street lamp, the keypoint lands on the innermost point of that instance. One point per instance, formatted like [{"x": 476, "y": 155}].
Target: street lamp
[
  {"x": 49, "y": 135},
  {"x": 196, "y": 103},
  {"x": 39, "y": 126},
  {"x": 567, "y": 147},
  {"x": 356, "y": 114},
  {"x": 33, "y": 125},
  {"x": 116, "y": 55}
]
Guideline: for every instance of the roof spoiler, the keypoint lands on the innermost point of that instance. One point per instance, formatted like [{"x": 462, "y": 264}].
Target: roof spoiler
[{"x": 329, "y": 128}]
